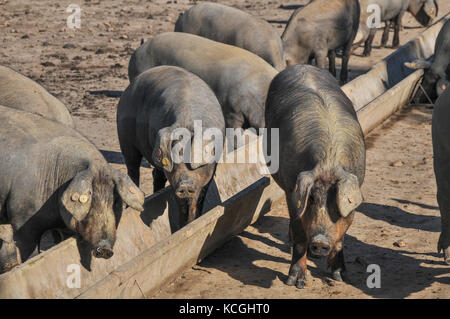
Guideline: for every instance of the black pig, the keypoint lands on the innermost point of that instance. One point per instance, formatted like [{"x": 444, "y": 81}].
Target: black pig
[{"x": 322, "y": 163}]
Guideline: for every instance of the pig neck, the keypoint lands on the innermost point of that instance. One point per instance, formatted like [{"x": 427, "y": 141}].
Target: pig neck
[{"x": 64, "y": 158}]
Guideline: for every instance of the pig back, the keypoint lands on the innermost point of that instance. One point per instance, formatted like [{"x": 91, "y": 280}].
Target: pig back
[
  {"x": 19, "y": 92},
  {"x": 317, "y": 123}
]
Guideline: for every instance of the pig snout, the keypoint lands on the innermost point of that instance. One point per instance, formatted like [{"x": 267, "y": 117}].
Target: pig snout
[
  {"x": 185, "y": 190},
  {"x": 320, "y": 245},
  {"x": 103, "y": 250}
]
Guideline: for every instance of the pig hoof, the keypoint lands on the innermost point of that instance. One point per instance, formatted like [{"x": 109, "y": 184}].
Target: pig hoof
[
  {"x": 447, "y": 255},
  {"x": 291, "y": 281},
  {"x": 300, "y": 283},
  {"x": 337, "y": 276}
]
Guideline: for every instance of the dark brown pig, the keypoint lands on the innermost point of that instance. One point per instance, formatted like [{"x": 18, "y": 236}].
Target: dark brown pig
[
  {"x": 318, "y": 29},
  {"x": 441, "y": 152},
  {"x": 391, "y": 13},
  {"x": 155, "y": 105},
  {"x": 229, "y": 25},
  {"x": 19, "y": 92},
  {"x": 51, "y": 176},
  {"x": 321, "y": 160},
  {"x": 239, "y": 78},
  {"x": 436, "y": 76}
]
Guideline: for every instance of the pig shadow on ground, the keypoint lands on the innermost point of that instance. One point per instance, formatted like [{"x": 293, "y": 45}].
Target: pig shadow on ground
[
  {"x": 353, "y": 72},
  {"x": 224, "y": 258},
  {"x": 108, "y": 93},
  {"x": 241, "y": 262},
  {"x": 425, "y": 206},
  {"x": 301, "y": 3},
  {"x": 278, "y": 21},
  {"x": 401, "y": 274},
  {"x": 113, "y": 157},
  {"x": 401, "y": 218}
]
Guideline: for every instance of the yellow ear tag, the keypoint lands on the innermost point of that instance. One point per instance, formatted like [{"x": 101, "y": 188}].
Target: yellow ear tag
[
  {"x": 432, "y": 10},
  {"x": 75, "y": 197},
  {"x": 84, "y": 199},
  {"x": 299, "y": 204},
  {"x": 165, "y": 161}
]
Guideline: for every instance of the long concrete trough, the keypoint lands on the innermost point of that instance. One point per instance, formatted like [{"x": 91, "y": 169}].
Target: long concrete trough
[{"x": 150, "y": 251}]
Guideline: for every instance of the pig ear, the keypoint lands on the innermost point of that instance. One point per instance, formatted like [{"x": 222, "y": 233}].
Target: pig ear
[
  {"x": 162, "y": 153},
  {"x": 77, "y": 197},
  {"x": 305, "y": 181},
  {"x": 128, "y": 191},
  {"x": 418, "y": 64},
  {"x": 349, "y": 195},
  {"x": 207, "y": 153}
]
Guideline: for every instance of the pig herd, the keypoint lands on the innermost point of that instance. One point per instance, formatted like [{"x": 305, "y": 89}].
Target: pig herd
[{"x": 227, "y": 69}]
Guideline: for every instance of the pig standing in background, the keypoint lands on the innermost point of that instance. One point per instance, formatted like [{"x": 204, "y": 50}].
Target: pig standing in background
[
  {"x": 239, "y": 78},
  {"x": 159, "y": 101},
  {"x": 318, "y": 29},
  {"x": 19, "y": 92},
  {"x": 392, "y": 12},
  {"x": 436, "y": 77},
  {"x": 51, "y": 176},
  {"x": 322, "y": 163},
  {"x": 235, "y": 27},
  {"x": 441, "y": 151}
]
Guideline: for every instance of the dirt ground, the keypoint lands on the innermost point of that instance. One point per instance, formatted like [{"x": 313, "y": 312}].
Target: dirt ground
[{"x": 77, "y": 65}]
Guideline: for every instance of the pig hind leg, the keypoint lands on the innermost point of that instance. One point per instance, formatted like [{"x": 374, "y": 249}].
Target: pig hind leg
[
  {"x": 385, "y": 37},
  {"x": 397, "y": 26}
]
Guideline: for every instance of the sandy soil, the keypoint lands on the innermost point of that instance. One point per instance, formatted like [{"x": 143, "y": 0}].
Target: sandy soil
[{"x": 76, "y": 65}]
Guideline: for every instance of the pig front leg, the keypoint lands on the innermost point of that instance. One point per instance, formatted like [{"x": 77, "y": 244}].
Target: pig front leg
[
  {"x": 133, "y": 158},
  {"x": 332, "y": 62},
  {"x": 336, "y": 262},
  {"x": 159, "y": 180},
  {"x": 297, "y": 271}
]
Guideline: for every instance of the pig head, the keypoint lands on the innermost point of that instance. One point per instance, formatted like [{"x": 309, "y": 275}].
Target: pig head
[
  {"x": 323, "y": 202},
  {"x": 188, "y": 176},
  {"x": 91, "y": 205}
]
